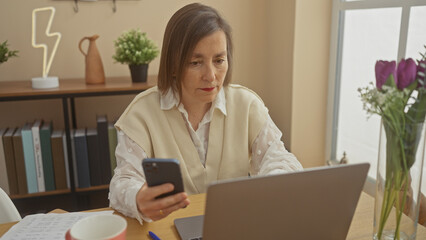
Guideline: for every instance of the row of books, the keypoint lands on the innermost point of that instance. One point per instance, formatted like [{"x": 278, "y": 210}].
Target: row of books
[
  {"x": 34, "y": 158},
  {"x": 94, "y": 158}
]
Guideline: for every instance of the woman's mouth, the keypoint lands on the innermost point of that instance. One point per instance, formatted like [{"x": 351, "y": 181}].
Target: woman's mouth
[{"x": 208, "y": 89}]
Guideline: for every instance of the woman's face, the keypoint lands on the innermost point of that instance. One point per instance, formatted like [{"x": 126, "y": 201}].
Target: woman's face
[{"x": 206, "y": 70}]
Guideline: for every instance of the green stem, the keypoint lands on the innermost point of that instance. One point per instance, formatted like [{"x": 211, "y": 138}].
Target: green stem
[
  {"x": 383, "y": 214},
  {"x": 390, "y": 203},
  {"x": 401, "y": 208},
  {"x": 397, "y": 206},
  {"x": 387, "y": 204},
  {"x": 401, "y": 183}
]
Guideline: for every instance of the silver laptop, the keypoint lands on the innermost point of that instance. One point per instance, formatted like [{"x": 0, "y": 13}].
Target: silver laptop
[{"x": 317, "y": 203}]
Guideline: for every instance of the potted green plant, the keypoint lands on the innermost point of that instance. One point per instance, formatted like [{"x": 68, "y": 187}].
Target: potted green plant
[
  {"x": 5, "y": 53},
  {"x": 135, "y": 49}
]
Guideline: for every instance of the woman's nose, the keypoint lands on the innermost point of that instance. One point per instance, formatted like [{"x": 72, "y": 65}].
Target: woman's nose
[{"x": 209, "y": 73}]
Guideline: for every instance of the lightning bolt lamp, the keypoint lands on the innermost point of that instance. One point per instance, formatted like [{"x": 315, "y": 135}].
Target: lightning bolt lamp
[{"x": 45, "y": 81}]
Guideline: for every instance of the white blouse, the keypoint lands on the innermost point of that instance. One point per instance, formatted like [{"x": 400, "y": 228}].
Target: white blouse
[{"x": 269, "y": 156}]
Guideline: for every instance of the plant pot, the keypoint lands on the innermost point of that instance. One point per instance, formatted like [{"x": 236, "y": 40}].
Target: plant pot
[
  {"x": 139, "y": 73},
  {"x": 398, "y": 183}
]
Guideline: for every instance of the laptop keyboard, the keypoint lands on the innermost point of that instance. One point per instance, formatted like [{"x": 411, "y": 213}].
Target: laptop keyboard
[{"x": 197, "y": 238}]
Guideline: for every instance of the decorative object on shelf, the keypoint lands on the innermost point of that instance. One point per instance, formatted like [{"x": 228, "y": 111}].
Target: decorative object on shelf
[
  {"x": 343, "y": 160},
  {"x": 5, "y": 53},
  {"x": 94, "y": 69},
  {"x": 45, "y": 81},
  {"x": 135, "y": 49},
  {"x": 400, "y": 99}
]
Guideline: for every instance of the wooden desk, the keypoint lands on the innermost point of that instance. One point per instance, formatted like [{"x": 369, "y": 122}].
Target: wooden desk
[{"x": 361, "y": 227}]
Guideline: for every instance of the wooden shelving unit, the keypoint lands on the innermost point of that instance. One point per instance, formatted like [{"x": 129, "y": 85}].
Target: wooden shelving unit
[{"x": 68, "y": 90}]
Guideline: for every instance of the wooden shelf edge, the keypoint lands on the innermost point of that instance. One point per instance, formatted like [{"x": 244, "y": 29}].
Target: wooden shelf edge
[
  {"x": 40, "y": 194},
  {"x": 22, "y": 90},
  {"x": 94, "y": 188},
  {"x": 58, "y": 192}
]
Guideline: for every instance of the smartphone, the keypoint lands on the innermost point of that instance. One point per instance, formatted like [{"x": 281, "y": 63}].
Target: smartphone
[{"x": 161, "y": 170}]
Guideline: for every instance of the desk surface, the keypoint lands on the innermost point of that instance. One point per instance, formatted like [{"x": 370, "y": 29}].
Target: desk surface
[{"x": 361, "y": 227}]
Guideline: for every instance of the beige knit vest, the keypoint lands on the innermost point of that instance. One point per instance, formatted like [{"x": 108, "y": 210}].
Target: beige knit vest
[{"x": 163, "y": 134}]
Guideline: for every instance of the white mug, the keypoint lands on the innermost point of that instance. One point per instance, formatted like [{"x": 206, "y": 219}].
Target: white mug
[{"x": 99, "y": 227}]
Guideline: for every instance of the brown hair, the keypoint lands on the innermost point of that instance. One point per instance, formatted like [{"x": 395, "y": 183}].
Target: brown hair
[{"x": 184, "y": 30}]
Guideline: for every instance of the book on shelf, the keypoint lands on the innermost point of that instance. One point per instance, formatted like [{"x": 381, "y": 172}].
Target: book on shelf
[
  {"x": 21, "y": 172},
  {"x": 105, "y": 163},
  {"x": 73, "y": 159},
  {"x": 30, "y": 165},
  {"x": 65, "y": 148},
  {"x": 9, "y": 156},
  {"x": 4, "y": 182},
  {"x": 58, "y": 157},
  {"x": 35, "y": 129},
  {"x": 112, "y": 140},
  {"x": 46, "y": 154},
  {"x": 82, "y": 159},
  {"x": 93, "y": 155}
]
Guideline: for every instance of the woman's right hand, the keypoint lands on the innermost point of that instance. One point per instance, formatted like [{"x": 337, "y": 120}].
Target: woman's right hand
[{"x": 157, "y": 209}]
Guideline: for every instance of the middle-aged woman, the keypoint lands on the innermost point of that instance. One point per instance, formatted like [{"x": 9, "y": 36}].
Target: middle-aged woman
[{"x": 215, "y": 129}]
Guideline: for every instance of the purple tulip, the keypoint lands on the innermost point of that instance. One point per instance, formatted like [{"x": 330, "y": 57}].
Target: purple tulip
[
  {"x": 383, "y": 70},
  {"x": 406, "y": 73}
]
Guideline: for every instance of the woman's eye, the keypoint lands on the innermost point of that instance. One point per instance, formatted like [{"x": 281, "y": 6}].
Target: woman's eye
[
  {"x": 220, "y": 61},
  {"x": 195, "y": 63}
]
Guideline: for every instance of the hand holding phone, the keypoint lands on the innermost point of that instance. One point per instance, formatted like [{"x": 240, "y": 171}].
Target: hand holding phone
[
  {"x": 159, "y": 171},
  {"x": 157, "y": 208},
  {"x": 163, "y": 191}
]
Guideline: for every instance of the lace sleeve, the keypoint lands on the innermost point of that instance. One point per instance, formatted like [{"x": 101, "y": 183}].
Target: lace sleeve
[
  {"x": 269, "y": 156},
  {"x": 128, "y": 177}
]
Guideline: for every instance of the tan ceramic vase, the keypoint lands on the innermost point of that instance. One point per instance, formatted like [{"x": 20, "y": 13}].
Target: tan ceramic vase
[{"x": 94, "y": 68}]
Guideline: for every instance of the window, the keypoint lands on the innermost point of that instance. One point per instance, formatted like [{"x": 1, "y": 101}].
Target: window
[{"x": 363, "y": 32}]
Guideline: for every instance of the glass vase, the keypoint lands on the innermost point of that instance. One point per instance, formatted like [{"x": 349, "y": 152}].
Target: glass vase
[{"x": 398, "y": 183}]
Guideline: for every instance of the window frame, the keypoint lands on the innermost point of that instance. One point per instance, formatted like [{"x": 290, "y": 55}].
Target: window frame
[{"x": 335, "y": 62}]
